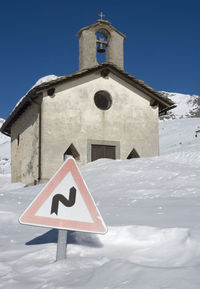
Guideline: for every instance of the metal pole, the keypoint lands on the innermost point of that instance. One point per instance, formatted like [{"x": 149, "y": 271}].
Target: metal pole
[
  {"x": 61, "y": 245},
  {"x": 61, "y": 253}
]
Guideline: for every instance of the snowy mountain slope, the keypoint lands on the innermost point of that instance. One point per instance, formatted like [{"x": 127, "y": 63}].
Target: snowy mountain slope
[
  {"x": 178, "y": 135},
  {"x": 3, "y": 138},
  {"x": 4, "y": 151},
  {"x": 187, "y": 105},
  {"x": 151, "y": 207},
  {"x": 44, "y": 79}
]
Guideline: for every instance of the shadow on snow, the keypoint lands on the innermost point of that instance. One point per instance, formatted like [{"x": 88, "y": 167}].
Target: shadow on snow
[{"x": 78, "y": 238}]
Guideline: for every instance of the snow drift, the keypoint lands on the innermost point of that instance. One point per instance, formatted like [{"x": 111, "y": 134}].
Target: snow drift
[{"x": 151, "y": 207}]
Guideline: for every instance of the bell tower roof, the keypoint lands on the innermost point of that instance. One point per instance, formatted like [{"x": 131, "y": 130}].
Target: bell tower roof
[{"x": 100, "y": 23}]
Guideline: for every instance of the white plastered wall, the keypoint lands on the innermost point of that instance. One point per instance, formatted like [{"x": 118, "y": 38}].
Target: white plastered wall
[
  {"x": 24, "y": 146},
  {"x": 71, "y": 116}
]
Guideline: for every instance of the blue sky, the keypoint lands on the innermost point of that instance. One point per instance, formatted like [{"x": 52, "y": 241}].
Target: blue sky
[{"x": 38, "y": 38}]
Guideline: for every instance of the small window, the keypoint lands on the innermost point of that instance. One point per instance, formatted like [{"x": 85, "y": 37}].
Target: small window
[
  {"x": 51, "y": 91},
  {"x": 102, "y": 100},
  {"x": 71, "y": 151},
  {"x": 18, "y": 139},
  {"x": 133, "y": 154}
]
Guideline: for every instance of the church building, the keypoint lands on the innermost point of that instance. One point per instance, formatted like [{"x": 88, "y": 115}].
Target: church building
[{"x": 100, "y": 111}]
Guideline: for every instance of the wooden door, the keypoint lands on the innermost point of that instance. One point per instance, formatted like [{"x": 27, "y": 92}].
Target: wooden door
[{"x": 103, "y": 151}]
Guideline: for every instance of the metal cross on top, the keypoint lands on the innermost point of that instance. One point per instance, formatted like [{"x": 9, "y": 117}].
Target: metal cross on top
[{"x": 101, "y": 15}]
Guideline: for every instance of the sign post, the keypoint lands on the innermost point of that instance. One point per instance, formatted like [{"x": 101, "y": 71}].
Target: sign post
[
  {"x": 61, "y": 245},
  {"x": 65, "y": 203}
]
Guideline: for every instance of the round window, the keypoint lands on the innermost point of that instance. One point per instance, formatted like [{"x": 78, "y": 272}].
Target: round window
[{"x": 102, "y": 100}]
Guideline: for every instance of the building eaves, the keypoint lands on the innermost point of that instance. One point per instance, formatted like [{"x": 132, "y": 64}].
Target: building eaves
[
  {"x": 116, "y": 70},
  {"x": 141, "y": 85},
  {"x": 164, "y": 102}
]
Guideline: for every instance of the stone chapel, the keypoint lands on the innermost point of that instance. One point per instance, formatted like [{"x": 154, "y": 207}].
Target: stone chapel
[{"x": 100, "y": 111}]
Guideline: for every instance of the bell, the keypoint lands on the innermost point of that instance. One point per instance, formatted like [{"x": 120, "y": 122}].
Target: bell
[{"x": 100, "y": 47}]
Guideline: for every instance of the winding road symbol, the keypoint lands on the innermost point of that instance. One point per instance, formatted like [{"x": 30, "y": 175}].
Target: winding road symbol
[{"x": 66, "y": 202}]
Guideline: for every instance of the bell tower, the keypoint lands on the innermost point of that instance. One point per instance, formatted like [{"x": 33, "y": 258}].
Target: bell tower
[{"x": 100, "y": 38}]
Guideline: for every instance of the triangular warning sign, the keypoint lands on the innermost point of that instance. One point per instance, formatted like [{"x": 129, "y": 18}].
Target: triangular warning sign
[{"x": 65, "y": 203}]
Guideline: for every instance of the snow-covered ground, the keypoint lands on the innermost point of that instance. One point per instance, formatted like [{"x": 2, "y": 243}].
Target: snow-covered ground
[
  {"x": 151, "y": 207},
  {"x": 178, "y": 135}
]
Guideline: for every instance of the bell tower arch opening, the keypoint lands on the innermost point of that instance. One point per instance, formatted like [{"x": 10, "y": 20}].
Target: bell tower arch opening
[{"x": 101, "y": 45}]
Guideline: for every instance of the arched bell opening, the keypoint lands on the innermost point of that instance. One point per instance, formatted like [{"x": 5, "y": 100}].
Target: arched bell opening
[
  {"x": 71, "y": 151},
  {"x": 133, "y": 154},
  {"x": 101, "y": 45}
]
